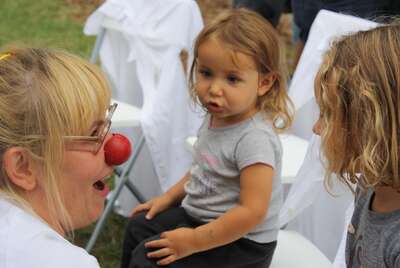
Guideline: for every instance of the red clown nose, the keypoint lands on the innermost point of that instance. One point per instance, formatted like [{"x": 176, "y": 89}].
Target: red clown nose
[{"x": 117, "y": 149}]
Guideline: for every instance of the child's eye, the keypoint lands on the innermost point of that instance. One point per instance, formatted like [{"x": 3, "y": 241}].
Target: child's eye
[
  {"x": 205, "y": 73},
  {"x": 233, "y": 79}
]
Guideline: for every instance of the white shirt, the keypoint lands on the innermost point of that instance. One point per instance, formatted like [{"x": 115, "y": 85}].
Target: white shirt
[{"x": 26, "y": 241}]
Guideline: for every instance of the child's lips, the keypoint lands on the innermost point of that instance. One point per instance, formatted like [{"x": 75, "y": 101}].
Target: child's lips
[{"x": 214, "y": 107}]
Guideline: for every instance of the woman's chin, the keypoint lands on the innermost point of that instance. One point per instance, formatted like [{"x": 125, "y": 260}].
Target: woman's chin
[
  {"x": 92, "y": 217},
  {"x": 97, "y": 213}
]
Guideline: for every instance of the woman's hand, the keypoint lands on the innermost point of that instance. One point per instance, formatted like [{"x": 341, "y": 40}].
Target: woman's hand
[
  {"x": 154, "y": 206},
  {"x": 173, "y": 245}
]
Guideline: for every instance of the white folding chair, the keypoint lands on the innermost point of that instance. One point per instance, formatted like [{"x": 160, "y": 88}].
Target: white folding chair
[
  {"x": 294, "y": 250},
  {"x": 128, "y": 32},
  {"x": 141, "y": 54},
  {"x": 126, "y": 115}
]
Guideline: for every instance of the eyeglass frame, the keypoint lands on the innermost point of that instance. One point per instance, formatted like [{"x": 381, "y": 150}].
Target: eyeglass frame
[{"x": 100, "y": 138}]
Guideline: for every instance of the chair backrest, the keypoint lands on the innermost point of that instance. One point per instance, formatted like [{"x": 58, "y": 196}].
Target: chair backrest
[{"x": 326, "y": 27}]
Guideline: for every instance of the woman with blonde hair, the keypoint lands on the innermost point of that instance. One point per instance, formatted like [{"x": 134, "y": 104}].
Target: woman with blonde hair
[
  {"x": 358, "y": 91},
  {"x": 54, "y": 121}
]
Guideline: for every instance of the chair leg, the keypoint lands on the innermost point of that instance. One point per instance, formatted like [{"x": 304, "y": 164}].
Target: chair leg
[
  {"x": 135, "y": 192},
  {"x": 114, "y": 195},
  {"x": 97, "y": 45}
]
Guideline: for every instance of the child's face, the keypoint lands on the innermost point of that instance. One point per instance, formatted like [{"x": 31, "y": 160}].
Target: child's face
[
  {"x": 81, "y": 169},
  {"x": 227, "y": 89}
]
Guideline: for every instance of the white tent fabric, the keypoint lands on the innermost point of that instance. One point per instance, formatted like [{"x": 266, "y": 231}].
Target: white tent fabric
[
  {"x": 309, "y": 208},
  {"x": 142, "y": 61}
]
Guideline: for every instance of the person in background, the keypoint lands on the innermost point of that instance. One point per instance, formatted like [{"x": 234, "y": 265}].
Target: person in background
[
  {"x": 54, "y": 121},
  {"x": 271, "y": 10},
  {"x": 305, "y": 11},
  {"x": 224, "y": 211},
  {"x": 357, "y": 89}
]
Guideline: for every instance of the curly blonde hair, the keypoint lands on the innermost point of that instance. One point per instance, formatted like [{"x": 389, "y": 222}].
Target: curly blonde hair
[
  {"x": 44, "y": 96},
  {"x": 245, "y": 31},
  {"x": 358, "y": 92}
]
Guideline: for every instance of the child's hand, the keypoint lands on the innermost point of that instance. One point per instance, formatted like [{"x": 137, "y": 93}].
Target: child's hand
[
  {"x": 173, "y": 245},
  {"x": 154, "y": 206}
]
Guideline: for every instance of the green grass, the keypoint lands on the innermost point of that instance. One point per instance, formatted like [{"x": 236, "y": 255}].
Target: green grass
[
  {"x": 46, "y": 23},
  {"x": 51, "y": 23}
]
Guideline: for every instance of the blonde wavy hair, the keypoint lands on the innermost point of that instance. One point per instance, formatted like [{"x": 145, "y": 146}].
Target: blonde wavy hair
[
  {"x": 246, "y": 32},
  {"x": 46, "y": 95},
  {"x": 358, "y": 92}
]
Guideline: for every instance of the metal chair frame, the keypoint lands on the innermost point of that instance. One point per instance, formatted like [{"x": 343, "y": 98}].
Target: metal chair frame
[{"x": 121, "y": 173}]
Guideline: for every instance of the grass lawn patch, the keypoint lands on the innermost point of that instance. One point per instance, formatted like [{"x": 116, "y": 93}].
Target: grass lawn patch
[{"x": 43, "y": 23}]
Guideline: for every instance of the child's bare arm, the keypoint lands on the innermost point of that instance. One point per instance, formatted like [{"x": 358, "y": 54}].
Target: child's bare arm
[
  {"x": 256, "y": 188},
  {"x": 173, "y": 196},
  {"x": 177, "y": 192},
  {"x": 255, "y": 192}
]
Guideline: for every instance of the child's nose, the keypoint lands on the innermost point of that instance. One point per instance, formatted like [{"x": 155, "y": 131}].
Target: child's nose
[
  {"x": 317, "y": 127},
  {"x": 117, "y": 149},
  {"x": 215, "y": 88}
]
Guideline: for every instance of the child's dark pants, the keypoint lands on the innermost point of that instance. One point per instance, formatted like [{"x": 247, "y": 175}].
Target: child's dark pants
[{"x": 243, "y": 253}]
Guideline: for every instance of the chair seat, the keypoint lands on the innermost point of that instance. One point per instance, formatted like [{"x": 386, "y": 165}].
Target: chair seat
[
  {"x": 294, "y": 151},
  {"x": 126, "y": 115},
  {"x": 293, "y": 250}
]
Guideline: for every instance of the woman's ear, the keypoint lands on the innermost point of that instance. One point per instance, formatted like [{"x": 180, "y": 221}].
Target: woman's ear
[
  {"x": 266, "y": 83},
  {"x": 20, "y": 168}
]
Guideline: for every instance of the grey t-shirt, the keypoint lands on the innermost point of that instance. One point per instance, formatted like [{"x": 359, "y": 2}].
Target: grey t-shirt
[
  {"x": 220, "y": 154},
  {"x": 373, "y": 239}
]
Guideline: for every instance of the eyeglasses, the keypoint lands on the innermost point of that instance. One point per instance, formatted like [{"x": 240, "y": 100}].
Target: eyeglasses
[{"x": 95, "y": 142}]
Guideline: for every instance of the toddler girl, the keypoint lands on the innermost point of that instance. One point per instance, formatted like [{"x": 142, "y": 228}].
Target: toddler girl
[{"x": 224, "y": 211}]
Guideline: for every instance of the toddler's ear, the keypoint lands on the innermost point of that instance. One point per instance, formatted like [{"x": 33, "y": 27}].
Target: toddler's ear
[
  {"x": 266, "y": 83},
  {"x": 20, "y": 168}
]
